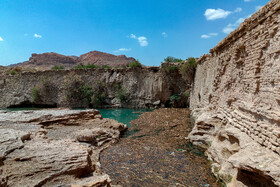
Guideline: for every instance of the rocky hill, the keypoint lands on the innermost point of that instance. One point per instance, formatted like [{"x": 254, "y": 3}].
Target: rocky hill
[
  {"x": 46, "y": 61},
  {"x": 100, "y": 59}
]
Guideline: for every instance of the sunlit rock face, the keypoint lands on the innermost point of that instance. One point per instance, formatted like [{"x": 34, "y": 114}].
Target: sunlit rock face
[
  {"x": 48, "y": 147},
  {"x": 235, "y": 99}
]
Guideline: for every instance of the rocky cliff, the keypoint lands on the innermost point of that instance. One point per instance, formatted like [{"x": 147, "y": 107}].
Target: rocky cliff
[
  {"x": 236, "y": 104},
  {"x": 129, "y": 87},
  {"x": 46, "y": 61}
]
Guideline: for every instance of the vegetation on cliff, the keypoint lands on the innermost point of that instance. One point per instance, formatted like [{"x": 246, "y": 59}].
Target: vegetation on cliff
[{"x": 136, "y": 63}]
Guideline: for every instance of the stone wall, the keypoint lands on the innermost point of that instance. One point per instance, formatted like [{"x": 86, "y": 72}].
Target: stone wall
[
  {"x": 144, "y": 87},
  {"x": 236, "y": 100}
]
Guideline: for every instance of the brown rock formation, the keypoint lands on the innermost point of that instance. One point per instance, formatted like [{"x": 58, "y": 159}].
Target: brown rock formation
[
  {"x": 235, "y": 100},
  {"x": 46, "y": 61},
  {"x": 100, "y": 59},
  {"x": 39, "y": 148}
]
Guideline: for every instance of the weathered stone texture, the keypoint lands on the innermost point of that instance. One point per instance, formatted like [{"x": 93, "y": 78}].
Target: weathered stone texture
[
  {"x": 50, "y": 154},
  {"x": 238, "y": 84},
  {"x": 142, "y": 86}
]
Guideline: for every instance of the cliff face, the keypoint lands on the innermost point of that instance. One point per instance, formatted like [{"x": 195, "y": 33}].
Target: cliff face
[
  {"x": 129, "y": 87},
  {"x": 236, "y": 102}
]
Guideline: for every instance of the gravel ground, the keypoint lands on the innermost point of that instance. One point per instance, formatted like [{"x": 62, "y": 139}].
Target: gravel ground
[{"x": 158, "y": 153}]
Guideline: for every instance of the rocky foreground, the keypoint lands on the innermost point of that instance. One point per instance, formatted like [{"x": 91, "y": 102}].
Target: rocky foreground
[{"x": 54, "y": 147}]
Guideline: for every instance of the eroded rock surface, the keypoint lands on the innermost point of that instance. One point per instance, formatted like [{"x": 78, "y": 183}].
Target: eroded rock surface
[
  {"x": 138, "y": 87},
  {"x": 42, "y": 148},
  {"x": 235, "y": 101}
]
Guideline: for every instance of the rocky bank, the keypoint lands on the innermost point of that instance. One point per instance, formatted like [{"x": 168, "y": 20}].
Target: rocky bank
[
  {"x": 235, "y": 100},
  {"x": 54, "y": 147}
]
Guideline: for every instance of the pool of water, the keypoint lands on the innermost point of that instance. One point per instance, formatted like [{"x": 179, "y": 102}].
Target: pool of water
[{"x": 124, "y": 116}]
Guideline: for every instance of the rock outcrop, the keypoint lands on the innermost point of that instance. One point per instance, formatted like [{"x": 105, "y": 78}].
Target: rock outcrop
[
  {"x": 129, "y": 87},
  {"x": 46, "y": 61},
  {"x": 235, "y": 100},
  {"x": 41, "y": 148},
  {"x": 100, "y": 59}
]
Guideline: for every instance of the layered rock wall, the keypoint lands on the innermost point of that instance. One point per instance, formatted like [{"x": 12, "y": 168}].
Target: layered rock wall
[
  {"x": 236, "y": 102},
  {"x": 142, "y": 87}
]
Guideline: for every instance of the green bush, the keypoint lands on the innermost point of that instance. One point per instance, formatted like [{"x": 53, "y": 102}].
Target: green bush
[
  {"x": 135, "y": 64},
  {"x": 168, "y": 67},
  {"x": 99, "y": 95},
  {"x": 192, "y": 62},
  {"x": 88, "y": 66},
  {"x": 35, "y": 94},
  {"x": 58, "y": 67},
  {"x": 175, "y": 98},
  {"x": 76, "y": 90},
  {"x": 188, "y": 67},
  {"x": 106, "y": 67},
  {"x": 122, "y": 95},
  {"x": 187, "y": 93},
  {"x": 13, "y": 72},
  {"x": 171, "y": 68},
  {"x": 172, "y": 59},
  {"x": 86, "y": 92}
]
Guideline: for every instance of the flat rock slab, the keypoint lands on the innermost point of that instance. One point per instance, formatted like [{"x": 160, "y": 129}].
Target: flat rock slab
[{"x": 44, "y": 147}]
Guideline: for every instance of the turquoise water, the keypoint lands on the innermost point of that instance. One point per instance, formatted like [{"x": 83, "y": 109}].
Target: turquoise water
[{"x": 124, "y": 116}]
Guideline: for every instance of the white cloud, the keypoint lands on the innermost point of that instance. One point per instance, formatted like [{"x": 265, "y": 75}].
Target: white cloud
[
  {"x": 213, "y": 14},
  {"x": 206, "y": 36},
  {"x": 238, "y": 10},
  {"x": 143, "y": 41},
  {"x": 248, "y": 0},
  {"x": 258, "y": 7},
  {"x": 37, "y": 36},
  {"x": 122, "y": 50},
  {"x": 132, "y": 36},
  {"x": 1, "y": 39},
  {"x": 164, "y": 34},
  {"x": 231, "y": 27}
]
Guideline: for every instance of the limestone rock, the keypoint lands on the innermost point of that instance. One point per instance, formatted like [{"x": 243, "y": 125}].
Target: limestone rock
[
  {"x": 235, "y": 101},
  {"x": 39, "y": 148},
  {"x": 10, "y": 140},
  {"x": 42, "y": 160}
]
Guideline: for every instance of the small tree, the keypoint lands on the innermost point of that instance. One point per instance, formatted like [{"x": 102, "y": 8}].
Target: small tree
[
  {"x": 99, "y": 95},
  {"x": 35, "y": 94},
  {"x": 172, "y": 59},
  {"x": 135, "y": 64},
  {"x": 188, "y": 68}
]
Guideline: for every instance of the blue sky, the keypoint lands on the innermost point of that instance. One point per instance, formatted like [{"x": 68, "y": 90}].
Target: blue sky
[{"x": 148, "y": 30}]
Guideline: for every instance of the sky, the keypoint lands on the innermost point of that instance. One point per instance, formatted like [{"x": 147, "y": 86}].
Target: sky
[{"x": 148, "y": 30}]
